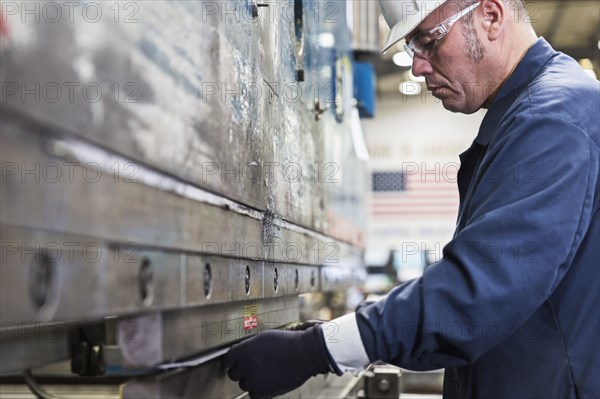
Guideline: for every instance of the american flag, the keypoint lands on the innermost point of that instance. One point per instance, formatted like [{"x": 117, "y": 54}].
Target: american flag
[{"x": 398, "y": 194}]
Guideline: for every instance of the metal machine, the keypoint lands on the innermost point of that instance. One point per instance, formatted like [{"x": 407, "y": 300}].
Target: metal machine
[{"x": 175, "y": 174}]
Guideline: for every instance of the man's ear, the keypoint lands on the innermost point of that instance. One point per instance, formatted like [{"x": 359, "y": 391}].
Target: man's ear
[{"x": 494, "y": 17}]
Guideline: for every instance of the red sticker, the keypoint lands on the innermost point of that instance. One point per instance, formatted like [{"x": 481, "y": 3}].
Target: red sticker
[
  {"x": 3, "y": 26},
  {"x": 250, "y": 317}
]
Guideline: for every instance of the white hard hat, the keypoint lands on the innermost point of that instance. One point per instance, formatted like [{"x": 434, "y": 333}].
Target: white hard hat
[{"x": 402, "y": 16}]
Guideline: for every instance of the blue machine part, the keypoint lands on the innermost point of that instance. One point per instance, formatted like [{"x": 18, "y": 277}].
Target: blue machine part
[{"x": 364, "y": 88}]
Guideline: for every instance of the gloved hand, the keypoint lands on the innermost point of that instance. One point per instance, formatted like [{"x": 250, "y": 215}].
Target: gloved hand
[
  {"x": 297, "y": 326},
  {"x": 277, "y": 361}
]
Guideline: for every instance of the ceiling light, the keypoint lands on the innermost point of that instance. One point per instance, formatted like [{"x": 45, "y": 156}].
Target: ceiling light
[
  {"x": 409, "y": 88},
  {"x": 326, "y": 40},
  {"x": 586, "y": 63},
  {"x": 402, "y": 59}
]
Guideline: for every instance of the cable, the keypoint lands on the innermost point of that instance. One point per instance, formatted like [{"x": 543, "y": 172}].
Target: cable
[{"x": 34, "y": 387}]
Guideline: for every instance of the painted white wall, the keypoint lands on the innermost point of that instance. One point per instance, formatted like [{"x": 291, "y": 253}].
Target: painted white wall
[{"x": 408, "y": 133}]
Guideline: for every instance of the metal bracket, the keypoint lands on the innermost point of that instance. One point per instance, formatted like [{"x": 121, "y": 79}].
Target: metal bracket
[{"x": 87, "y": 350}]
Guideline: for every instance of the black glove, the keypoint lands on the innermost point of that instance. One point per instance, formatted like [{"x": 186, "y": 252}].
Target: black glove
[
  {"x": 295, "y": 326},
  {"x": 277, "y": 361}
]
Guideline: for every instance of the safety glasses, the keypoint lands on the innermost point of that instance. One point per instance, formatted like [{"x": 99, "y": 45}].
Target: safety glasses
[{"x": 425, "y": 43}]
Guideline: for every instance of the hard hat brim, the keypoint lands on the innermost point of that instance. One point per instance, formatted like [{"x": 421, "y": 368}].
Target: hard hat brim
[{"x": 403, "y": 28}]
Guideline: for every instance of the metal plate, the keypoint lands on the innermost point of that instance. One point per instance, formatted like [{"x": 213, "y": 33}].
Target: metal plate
[{"x": 214, "y": 103}]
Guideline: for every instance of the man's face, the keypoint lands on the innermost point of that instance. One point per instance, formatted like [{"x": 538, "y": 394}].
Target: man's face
[{"x": 454, "y": 72}]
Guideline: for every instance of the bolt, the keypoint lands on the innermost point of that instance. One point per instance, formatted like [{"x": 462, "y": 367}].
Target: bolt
[
  {"x": 254, "y": 8},
  {"x": 383, "y": 385},
  {"x": 318, "y": 110}
]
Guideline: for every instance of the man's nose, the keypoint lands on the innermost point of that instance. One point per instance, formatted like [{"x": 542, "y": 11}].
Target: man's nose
[{"x": 421, "y": 66}]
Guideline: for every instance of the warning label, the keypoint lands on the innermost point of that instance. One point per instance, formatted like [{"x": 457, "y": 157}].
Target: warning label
[{"x": 250, "y": 318}]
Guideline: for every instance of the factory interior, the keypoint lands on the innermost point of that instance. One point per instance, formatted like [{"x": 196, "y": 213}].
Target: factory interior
[{"x": 179, "y": 177}]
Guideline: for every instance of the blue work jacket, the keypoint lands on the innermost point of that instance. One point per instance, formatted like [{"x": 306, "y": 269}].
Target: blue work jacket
[{"x": 512, "y": 310}]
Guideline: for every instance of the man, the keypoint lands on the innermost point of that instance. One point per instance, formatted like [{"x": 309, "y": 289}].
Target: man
[{"x": 512, "y": 310}]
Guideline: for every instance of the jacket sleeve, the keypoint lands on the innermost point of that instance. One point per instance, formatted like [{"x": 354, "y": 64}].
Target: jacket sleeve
[{"x": 530, "y": 207}]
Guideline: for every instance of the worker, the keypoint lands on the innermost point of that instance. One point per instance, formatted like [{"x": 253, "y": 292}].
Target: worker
[{"x": 512, "y": 309}]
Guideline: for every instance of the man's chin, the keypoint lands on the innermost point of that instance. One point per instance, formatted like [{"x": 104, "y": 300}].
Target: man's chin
[
  {"x": 457, "y": 107},
  {"x": 450, "y": 105},
  {"x": 456, "y": 104}
]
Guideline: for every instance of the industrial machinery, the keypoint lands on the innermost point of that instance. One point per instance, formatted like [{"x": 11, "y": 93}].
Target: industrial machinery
[{"x": 175, "y": 175}]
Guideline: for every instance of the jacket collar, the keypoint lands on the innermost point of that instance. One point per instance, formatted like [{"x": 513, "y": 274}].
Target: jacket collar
[{"x": 526, "y": 70}]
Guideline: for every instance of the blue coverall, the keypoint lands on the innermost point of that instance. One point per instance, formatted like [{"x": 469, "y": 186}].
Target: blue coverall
[{"x": 512, "y": 310}]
